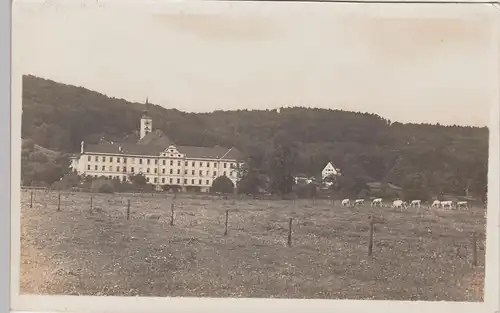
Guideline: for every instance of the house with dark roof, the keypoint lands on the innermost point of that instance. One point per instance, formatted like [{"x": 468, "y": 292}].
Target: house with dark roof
[{"x": 162, "y": 162}]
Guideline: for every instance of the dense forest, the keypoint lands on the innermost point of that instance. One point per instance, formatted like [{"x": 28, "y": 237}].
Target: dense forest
[{"x": 434, "y": 159}]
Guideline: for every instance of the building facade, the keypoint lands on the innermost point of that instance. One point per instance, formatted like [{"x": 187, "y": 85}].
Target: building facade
[
  {"x": 329, "y": 169},
  {"x": 161, "y": 161}
]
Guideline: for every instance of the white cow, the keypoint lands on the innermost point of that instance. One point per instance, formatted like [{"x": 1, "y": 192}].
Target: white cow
[
  {"x": 346, "y": 202},
  {"x": 399, "y": 204},
  {"x": 448, "y": 204},
  {"x": 376, "y": 202},
  {"x": 359, "y": 201},
  {"x": 415, "y": 203},
  {"x": 462, "y": 204},
  {"x": 436, "y": 204}
]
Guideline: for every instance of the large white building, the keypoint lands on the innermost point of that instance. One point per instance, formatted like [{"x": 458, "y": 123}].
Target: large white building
[{"x": 160, "y": 160}]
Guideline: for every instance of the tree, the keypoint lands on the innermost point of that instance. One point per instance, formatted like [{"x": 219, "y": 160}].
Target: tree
[
  {"x": 282, "y": 165},
  {"x": 222, "y": 184},
  {"x": 415, "y": 188}
]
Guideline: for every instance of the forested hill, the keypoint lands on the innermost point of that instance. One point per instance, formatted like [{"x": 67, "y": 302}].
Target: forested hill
[{"x": 59, "y": 117}]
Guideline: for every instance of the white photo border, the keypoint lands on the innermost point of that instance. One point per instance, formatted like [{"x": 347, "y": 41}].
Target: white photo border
[{"x": 11, "y": 164}]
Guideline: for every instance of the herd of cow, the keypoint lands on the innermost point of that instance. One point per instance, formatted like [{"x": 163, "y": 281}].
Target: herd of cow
[{"x": 400, "y": 204}]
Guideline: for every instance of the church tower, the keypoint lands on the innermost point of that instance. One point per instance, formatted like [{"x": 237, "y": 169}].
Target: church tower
[{"x": 146, "y": 123}]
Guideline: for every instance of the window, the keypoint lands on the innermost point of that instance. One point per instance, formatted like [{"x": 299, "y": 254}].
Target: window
[
  {"x": 95, "y": 167},
  {"x": 88, "y": 167},
  {"x": 178, "y": 171},
  {"x": 178, "y": 163},
  {"x": 185, "y": 181},
  {"x": 171, "y": 162},
  {"x": 156, "y": 170},
  {"x": 163, "y": 180},
  {"x": 124, "y": 169},
  {"x": 171, "y": 180},
  {"x": 132, "y": 169},
  {"x": 192, "y": 181},
  {"x": 117, "y": 160},
  {"x": 140, "y": 161},
  {"x": 178, "y": 180},
  {"x": 200, "y": 182},
  {"x": 110, "y": 168},
  {"x": 208, "y": 173},
  {"x": 186, "y": 163},
  {"x": 163, "y": 171},
  {"x": 117, "y": 168},
  {"x": 147, "y": 179},
  {"x": 224, "y": 173},
  {"x": 111, "y": 159},
  {"x": 225, "y": 165},
  {"x": 185, "y": 172},
  {"x": 215, "y": 173},
  {"x": 124, "y": 160},
  {"x": 147, "y": 170},
  {"x": 156, "y": 162},
  {"x": 90, "y": 158},
  {"x": 215, "y": 164},
  {"x": 192, "y": 163},
  {"x": 201, "y": 173},
  {"x": 103, "y": 168},
  {"x": 208, "y": 164},
  {"x": 192, "y": 172},
  {"x": 208, "y": 182},
  {"x": 156, "y": 180},
  {"x": 164, "y": 163},
  {"x": 201, "y": 163},
  {"x": 148, "y": 161},
  {"x": 96, "y": 158},
  {"x": 171, "y": 171}
]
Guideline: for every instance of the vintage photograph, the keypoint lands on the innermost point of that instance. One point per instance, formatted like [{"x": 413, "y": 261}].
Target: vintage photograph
[{"x": 253, "y": 155}]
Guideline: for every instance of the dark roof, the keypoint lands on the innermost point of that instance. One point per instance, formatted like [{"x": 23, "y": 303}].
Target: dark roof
[
  {"x": 156, "y": 138},
  {"x": 156, "y": 149}
]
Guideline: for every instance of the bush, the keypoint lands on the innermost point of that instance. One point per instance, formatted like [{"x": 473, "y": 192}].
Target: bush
[{"x": 222, "y": 184}]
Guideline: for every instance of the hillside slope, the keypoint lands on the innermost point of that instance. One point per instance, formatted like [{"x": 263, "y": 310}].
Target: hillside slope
[{"x": 59, "y": 116}]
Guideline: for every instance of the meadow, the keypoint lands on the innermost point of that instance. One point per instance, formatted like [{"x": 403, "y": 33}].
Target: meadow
[{"x": 418, "y": 254}]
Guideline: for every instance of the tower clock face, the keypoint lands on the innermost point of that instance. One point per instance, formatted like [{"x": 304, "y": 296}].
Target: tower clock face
[
  {"x": 146, "y": 128},
  {"x": 147, "y": 123}
]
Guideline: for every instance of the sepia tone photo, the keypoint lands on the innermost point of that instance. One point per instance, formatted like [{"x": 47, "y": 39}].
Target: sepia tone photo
[{"x": 253, "y": 155}]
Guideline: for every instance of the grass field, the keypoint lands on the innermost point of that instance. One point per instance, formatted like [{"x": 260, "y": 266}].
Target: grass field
[{"x": 422, "y": 255}]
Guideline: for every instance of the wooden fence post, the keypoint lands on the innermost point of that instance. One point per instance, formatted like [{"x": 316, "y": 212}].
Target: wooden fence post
[
  {"x": 289, "y": 242},
  {"x": 227, "y": 218},
  {"x": 370, "y": 239},
  {"x": 31, "y": 200},
  {"x": 91, "y": 203},
  {"x": 128, "y": 209},
  {"x": 172, "y": 214},
  {"x": 59, "y": 201},
  {"x": 474, "y": 249}
]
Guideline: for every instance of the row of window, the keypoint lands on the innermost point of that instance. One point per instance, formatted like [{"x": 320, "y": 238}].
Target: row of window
[
  {"x": 164, "y": 180},
  {"x": 150, "y": 161},
  {"x": 148, "y": 170}
]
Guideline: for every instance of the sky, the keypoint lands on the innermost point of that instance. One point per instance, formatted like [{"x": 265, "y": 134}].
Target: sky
[{"x": 406, "y": 68}]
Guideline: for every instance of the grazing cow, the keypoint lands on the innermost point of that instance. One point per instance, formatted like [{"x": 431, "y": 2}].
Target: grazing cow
[
  {"x": 359, "y": 201},
  {"x": 448, "y": 204},
  {"x": 346, "y": 202},
  {"x": 376, "y": 202},
  {"x": 415, "y": 203},
  {"x": 436, "y": 204},
  {"x": 462, "y": 204},
  {"x": 399, "y": 204}
]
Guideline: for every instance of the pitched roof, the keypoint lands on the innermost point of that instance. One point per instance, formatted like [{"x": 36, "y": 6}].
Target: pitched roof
[
  {"x": 157, "y": 138},
  {"x": 156, "y": 149}
]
